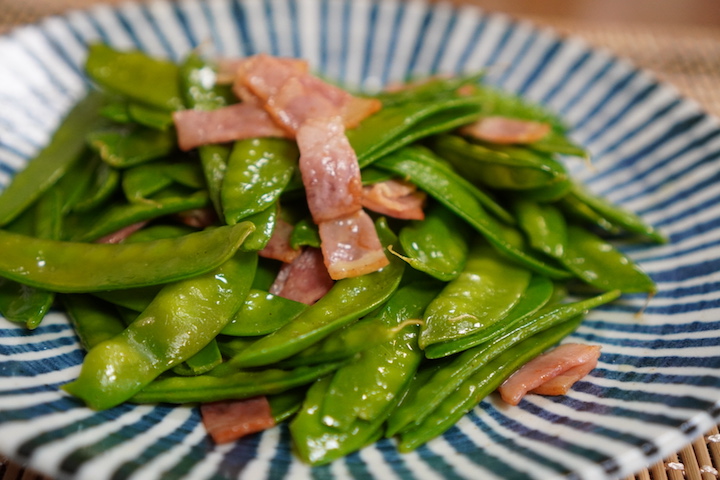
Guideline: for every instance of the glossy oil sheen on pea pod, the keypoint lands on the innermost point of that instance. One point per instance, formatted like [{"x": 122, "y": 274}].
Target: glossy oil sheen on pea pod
[
  {"x": 182, "y": 319},
  {"x": 421, "y": 168},
  {"x": 544, "y": 226},
  {"x": 65, "y": 148},
  {"x": 82, "y": 267},
  {"x": 484, "y": 293},
  {"x": 262, "y": 313},
  {"x": 437, "y": 245},
  {"x": 601, "y": 265},
  {"x": 348, "y": 300},
  {"x": 367, "y": 387},
  {"x": 257, "y": 172}
]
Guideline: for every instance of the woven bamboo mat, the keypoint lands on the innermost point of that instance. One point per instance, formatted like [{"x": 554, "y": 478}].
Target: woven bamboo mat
[{"x": 688, "y": 58}]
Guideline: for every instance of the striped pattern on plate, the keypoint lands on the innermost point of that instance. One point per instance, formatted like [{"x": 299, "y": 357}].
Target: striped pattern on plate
[{"x": 658, "y": 382}]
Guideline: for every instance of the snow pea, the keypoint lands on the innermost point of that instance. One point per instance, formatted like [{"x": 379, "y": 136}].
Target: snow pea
[
  {"x": 182, "y": 319},
  {"x": 139, "y": 182},
  {"x": 432, "y": 90},
  {"x": 257, "y": 173},
  {"x": 538, "y": 293},
  {"x": 555, "y": 142},
  {"x": 367, "y": 387},
  {"x": 437, "y": 245},
  {"x": 318, "y": 444},
  {"x": 398, "y": 125},
  {"x": 502, "y": 167},
  {"x": 617, "y": 216},
  {"x": 574, "y": 209},
  {"x": 104, "y": 182},
  {"x": 305, "y": 233},
  {"x": 156, "y": 232},
  {"x": 203, "y": 361},
  {"x": 449, "y": 378},
  {"x": 264, "y": 222},
  {"x": 136, "y": 76},
  {"x": 66, "y": 147},
  {"x": 200, "y": 92},
  {"x": 135, "y": 299},
  {"x": 81, "y": 267},
  {"x": 111, "y": 219},
  {"x": 127, "y": 146},
  {"x": 286, "y": 404},
  {"x": 601, "y": 265},
  {"x": 235, "y": 385},
  {"x": 482, "y": 295},
  {"x": 150, "y": 117},
  {"x": 544, "y": 225},
  {"x": 482, "y": 384},
  {"x": 94, "y": 320},
  {"x": 420, "y": 167},
  {"x": 262, "y": 313},
  {"x": 348, "y": 300}
]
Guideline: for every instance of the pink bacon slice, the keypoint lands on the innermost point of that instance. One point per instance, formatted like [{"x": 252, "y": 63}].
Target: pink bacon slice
[
  {"x": 350, "y": 246},
  {"x": 505, "y": 130},
  {"x": 546, "y": 367},
  {"x": 234, "y": 122},
  {"x": 395, "y": 198},
  {"x": 278, "y": 248},
  {"x": 305, "y": 280},
  {"x": 228, "y": 420}
]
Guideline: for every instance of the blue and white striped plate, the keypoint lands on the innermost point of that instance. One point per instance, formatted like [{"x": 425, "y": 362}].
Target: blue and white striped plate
[{"x": 658, "y": 382}]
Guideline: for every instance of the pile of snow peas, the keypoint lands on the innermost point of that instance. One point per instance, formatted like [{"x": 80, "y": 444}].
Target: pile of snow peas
[{"x": 181, "y": 314}]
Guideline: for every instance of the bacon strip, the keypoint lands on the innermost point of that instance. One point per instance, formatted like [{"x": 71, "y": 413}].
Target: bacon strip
[
  {"x": 292, "y": 95},
  {"x": 278, "y": 248},
  {"x": 350, "y": 246},
  {"x": 226, "y": 124},
  {"x": 561, "y": 384},
  {"x": 305, "y": 280},
  {"x": 546, "y": 367},
  {"x": 395, "y": 198},
  {"x": 228, "y": 420},
  {"x": 506, "y": 131},
  {"x": 329, "y": 169}
]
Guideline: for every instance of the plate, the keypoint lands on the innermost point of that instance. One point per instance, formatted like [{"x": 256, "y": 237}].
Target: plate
[{"x": 657, "y": 385}]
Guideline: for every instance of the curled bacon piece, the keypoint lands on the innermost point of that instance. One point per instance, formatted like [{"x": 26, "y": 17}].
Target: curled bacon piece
[
  {"x": 505, "y": 130},
  {"x": 228, "y": 420},
  {"x": 226, "y": 124},
  {"x": 395, "y": 198},
  {"x": 350, "y": 246},
  {"x": 329, "y": 169},
  {"x": 304, "y": 280},
  {"x": 278, "y": 247},
  {"x": 547, "y": 366}
]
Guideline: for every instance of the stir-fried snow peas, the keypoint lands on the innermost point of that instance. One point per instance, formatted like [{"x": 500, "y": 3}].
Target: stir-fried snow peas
[{"x": 195, "y": 304}]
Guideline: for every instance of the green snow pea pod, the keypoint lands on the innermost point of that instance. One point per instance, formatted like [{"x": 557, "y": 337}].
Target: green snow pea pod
[
  {"x": 172, "y": 200},
  {"x": 573, "y": 208},
  {"x": 448, "y": 379},
  {"x": 66, "y": 147},
  {"x": 601, "y": 265},
  {"x": 262, "y": 313},
  {"x": 104, "y": 182},
  {"x": 502, "y": 167},
  {"x": 617, "y": 216},
  {"x": 94, "y": 320},
  {"x": 266, "y": 273},
  {"x": 558, "y": 143},
  {"x": 483, "y": 294},
  {"x": 505, "y": 104},
  {"x": 136, "y": 76},
  {"x": 344, "y": 343},
  {"x": 77, "y": 182},
  {"x": 538, "y": 293},
  {"x": 235, "y": 385},
  {"x": 156, "y": 232},
  {"x": 182, "y": 319},
  {"x": 139, "y": 182},
  {"x": 264, "y": 225},
  {"x": 437, "y": 245},
  {"x": 203, "y": 361},
  {"x": 305, "y": 233},
  {"x": 549, "y": 193},
  {"x": 544, "y": 225},
  {"x": 127, "y": 146},
  {"x": 420, "y": 167},
  {"x": 81, "y": 267},
  {"x": 372, "y": 175},
  {"x": 200, "y": 92},
  {"x": 482, "y": 384},
  {"x": 135, "y": 299},
  {"x": 257, "y": 173},
  {"x": 432, "y": 90},
  {"x": 286, "y": 404},
  {"x": 150, "y": 117},
  {"x": 348, "y": 300},
  {"x": 318, "y": 444},
  {"x": 399, "y": 125},
  {"x": 367, "y": 387}
]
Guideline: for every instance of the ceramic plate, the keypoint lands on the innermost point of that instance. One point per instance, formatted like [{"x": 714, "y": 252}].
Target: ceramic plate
[{"x": 657, "y": 385}]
